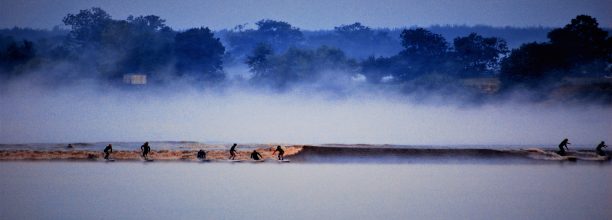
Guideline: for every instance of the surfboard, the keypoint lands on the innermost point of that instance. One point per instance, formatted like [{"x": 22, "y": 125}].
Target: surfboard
[
  {"x": 234, "y": 161},
  {"x": 149, "y": 160},
  {"x": 284, "y": 161},
  {"x": 205, "y": 160},
  {"x": 257, "y": 161},
  {"x": 110, "y": 160}
]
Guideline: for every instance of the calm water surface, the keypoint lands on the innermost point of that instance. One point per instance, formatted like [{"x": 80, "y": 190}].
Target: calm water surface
[{"x": 180, "y": 190}]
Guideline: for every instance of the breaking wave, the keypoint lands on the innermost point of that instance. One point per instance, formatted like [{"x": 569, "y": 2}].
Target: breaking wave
[
  {"x": 186, "y": 151},
  {"x": 366, "y": 153}
]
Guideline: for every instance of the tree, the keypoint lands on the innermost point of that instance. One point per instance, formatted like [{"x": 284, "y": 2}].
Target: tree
[
  {"x": 149, "y": 22},
  {"x": 581, "y": 41},
  {"x": 295, "y": 65},
  {"x": 199, "y": 54},
  {"x": 360, "y": 41},
  {"x": 279, "y": 35},
  {"x": 422, "y": 43},
  {"x": 478, "y": 54},
  {"x": 424, "y": 53},
  {"x": 530, "y": 64},
  {"x": 148, "y": 44},
  {"x": 15, "y": 54},
  {"x": 87, "y": 25},
  {"x": 330, "y": 58},
  {"x": 375, "y": 68},
  {"x": 580, "y": 48},
  {"x": 259, "y": 61},
  {"x": 354, "y": 31},
  {"x": 279, "y": 31}
]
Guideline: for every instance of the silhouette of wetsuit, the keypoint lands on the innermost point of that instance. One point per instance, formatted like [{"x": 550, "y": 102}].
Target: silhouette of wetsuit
[
  {"x": 599, "y": 149},
  {"x": 563, "y": 143},
  {"x": 145, "y": 150},
  {"x": 107, "y": 151},
  {"x": 233, "y": 152},
  {"x": 201, "y": 154},
  {"x": 255, "y": 155},
  {"x": 281, "y": 153}
]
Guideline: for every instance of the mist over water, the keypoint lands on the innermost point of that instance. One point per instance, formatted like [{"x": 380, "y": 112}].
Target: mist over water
[{"x": 88, "y": 112}]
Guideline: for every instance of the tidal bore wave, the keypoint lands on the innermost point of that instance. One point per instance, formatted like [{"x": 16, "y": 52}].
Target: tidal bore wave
[{"x": 321, "y": 154}]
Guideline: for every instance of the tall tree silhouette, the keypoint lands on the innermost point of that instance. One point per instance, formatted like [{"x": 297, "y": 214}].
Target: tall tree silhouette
[
  {"x": 478, "y": 55},
  {"x": 199, "y": 54}
]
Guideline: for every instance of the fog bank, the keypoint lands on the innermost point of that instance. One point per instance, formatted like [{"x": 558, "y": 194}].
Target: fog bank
[{"x": 96, "y": 113}]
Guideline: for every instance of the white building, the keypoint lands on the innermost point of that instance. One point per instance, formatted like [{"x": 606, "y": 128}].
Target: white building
[{"x": 135, "y": 79}]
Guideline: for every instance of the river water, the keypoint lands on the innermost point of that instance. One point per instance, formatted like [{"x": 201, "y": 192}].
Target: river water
[{"x": 191, "y": 190}]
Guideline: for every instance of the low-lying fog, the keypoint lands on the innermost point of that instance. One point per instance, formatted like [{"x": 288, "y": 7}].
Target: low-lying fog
[{"x": 95, "y": 113}]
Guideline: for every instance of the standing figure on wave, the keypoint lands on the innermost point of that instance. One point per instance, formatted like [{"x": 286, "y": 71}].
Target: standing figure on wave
[
  {"x": 145, "y": 148},
  {"x": 563, "y": 144},
  {"x": 281, "y": 153},
  {"x": 233, "y": 152}
]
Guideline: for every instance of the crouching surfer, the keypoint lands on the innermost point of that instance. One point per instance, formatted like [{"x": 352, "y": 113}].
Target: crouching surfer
[
  {"x": 255, "y": 155},
  {"x": 563, "y": 146},
  {"x": 599, "y": 149},
  {"x": 107, "y": 150},
  {"x": 201, "y": 154}
]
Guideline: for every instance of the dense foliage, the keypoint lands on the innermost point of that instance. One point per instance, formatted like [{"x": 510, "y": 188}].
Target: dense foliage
[{"x": 280, "y": 56}]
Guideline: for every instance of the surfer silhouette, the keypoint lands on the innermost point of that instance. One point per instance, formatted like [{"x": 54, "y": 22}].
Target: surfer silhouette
[
  {"x": 69, "y": 146},
  {"x": 563, "y": 144},
  {"x": 232, "y": 152},
  {"x": 599, "y": 149},
  {"x": 145, "y": 148},
  {"x": 201, "y": 154},
  {"x": 107, "y": 150},
  {"x": 255, "y": 155},
  {"x": 281, "y": 153}
]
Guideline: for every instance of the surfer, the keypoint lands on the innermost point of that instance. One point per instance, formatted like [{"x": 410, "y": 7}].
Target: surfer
[
  {"x": 563, "y": 144},
  {"x": 107, "y": 150},
  {"x": 201, "y": 154},
  {"x": 233, "y": 152},
  {"x": 69, "y": 146},
  {"x": 145, "y": 150},
  {"x": 281, "y": 152},
  {"x": 255, "y": 155},
  {"x": 599, "y": 149}
]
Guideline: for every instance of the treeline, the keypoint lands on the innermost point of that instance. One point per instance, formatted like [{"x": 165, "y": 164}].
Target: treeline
[
  {"x": 356, "y": 40},
  {"x": 100, "y": 47},
  {"x": 281, "y": 56}
]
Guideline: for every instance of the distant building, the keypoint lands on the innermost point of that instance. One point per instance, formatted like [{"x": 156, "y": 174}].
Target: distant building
[
  {"x": 485, "y": 85},
  {"x": 135, "y": 79}
]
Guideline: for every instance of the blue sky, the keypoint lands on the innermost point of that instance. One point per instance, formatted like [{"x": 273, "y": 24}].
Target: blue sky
[{"x": 315, "y": 14}]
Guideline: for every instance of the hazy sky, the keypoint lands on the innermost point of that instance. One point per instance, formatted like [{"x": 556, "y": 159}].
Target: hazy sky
[{"x": 315, "y": 14}]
